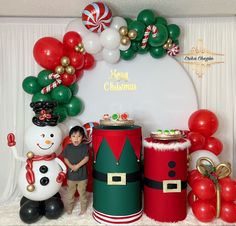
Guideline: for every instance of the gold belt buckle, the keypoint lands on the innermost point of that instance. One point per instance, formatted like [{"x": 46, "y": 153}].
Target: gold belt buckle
[
  {"x": 121, "y": 178},
  {"x": 166, "y": 189}
]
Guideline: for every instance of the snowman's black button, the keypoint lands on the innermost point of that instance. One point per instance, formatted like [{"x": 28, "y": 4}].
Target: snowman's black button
[
  {"x": 44, "y": 181},
  {"x": 43, "y": 169}
]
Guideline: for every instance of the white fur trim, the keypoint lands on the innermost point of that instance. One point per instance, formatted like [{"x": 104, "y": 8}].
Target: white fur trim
[{"x": 164, "y": 147}]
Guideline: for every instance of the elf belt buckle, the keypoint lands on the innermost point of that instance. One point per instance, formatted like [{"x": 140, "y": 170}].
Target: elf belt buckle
[
  {"x": 116, "y": 178},
  {"x": 170, "y": 186}
]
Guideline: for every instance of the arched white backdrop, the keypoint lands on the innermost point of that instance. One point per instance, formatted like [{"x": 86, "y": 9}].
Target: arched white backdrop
[{"x": 157, "y": 94}]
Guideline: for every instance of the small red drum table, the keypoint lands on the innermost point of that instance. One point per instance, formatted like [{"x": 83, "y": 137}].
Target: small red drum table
[{"x": 165, "y": 179}]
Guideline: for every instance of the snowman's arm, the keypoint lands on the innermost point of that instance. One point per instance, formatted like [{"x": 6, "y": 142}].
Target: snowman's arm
[
  {"x": 12, "y": 144},
  {"x": 62, "y": 165}
]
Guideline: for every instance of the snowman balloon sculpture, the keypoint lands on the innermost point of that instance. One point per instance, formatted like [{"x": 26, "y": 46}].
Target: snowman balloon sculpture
[{"x": 43, "y": 173}]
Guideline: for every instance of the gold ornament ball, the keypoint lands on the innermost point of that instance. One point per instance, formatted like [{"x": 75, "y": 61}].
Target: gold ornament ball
[
  {"x": 123, "y": 31},
  {"x": 59, "y": 70},
  {"x": 80, "y": 45},
  {"x": 30, "y": 188},
  {"x": 65, "y": 61},
  {"x": 169, "y": 40},
  {"x": 77, "y": 48},
  {"x": 165, "y": 46},
  {"x": 30, "y": 155},
  {"x": 125, "y": 40},
  {"x": 170, "y": 45},
  {"x": 70, "y": 70},
  {"x": 132, "y": 34}
]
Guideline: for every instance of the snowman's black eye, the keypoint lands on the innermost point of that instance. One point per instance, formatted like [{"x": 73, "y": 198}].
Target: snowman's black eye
[
  {"x": 51, "y": 135},
  {"x": 42, "y": 135}
]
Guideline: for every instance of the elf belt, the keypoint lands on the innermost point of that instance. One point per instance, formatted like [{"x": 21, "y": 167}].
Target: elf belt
[
  {"x": 117, "y": 178},
  {"x": 167, "y": 186}
]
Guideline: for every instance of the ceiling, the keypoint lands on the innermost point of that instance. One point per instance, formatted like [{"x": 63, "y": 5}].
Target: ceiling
[{"x": 74, "y": 8}]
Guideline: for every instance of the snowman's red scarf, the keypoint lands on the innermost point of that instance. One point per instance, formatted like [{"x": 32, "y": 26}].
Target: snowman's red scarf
[{"x": 29, "y": 167}]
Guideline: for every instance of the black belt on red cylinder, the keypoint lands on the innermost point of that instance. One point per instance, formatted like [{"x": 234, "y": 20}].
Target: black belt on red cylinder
[
  {"x": 159, "y": 184},
  {"x": 116, "y": 177}
]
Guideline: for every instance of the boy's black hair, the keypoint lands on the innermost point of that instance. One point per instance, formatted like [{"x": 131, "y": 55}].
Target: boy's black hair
[{"x": 76, "y": 129}]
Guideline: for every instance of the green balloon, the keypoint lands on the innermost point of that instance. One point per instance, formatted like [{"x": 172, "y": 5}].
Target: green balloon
[
  {"x": 74, "y": 88},
  {"x": 128, "y": 20},
  {"x": 74, "y": 107},
  {"x": 139, "y": 27},
  {"x": 134, "y": 45},
  {"x": 146, "y": 16},
  {"x": 128, "y": 54},
  {"x": 143, "y": 51},
  {"x": 62, "y": 94},
  {"x": 176, "y": 42},
  {"x": 157, "y": 52},
  {"x": 43, "y": 79},
  {"x": 30, "y": 85},
  {"x": 161, "y": 38},
  {"x": 161, "y": 20},
  {"x": 61, "y": 112},
  {"x": 174, "y": 31},
  {"x": 41, "y": 97}
]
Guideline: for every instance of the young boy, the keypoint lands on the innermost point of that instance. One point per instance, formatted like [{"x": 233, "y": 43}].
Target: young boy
[{"x": 76, "y": 155}]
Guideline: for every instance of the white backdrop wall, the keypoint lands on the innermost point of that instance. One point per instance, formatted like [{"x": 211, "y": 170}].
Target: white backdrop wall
[{"x": 215, "y": 90}]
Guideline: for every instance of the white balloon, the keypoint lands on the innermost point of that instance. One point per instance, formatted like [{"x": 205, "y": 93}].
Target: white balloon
[
  {"x": 64, "y": 130},
  {"x": 111, "y": 56},
  {"x": 98, "y": 56},
  {"x": 71, "y": 122},
  {"x": 43, "y": 140},
  {"x": 118, "y": 22},
  {"x": 124, "y": 47},
  {"x": 78, "y": 26},
  {"x": 202, "y": 153},
  {"x": 41, "y": 192},
  {"x": 110, "y": 38},
  {"x": 92, "y": 43}
]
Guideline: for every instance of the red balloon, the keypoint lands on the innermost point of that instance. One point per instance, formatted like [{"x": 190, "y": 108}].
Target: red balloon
[
  {"x": 213, "y": 145},
  {"x": 193, "y": 176},
  {"x": 228, "y": 212},
  {"x": 204, "y": 122},
  {"x": 71, "y": 39},
  {"x": 48, "y": 52},
  {"x": 79, "y": 74},
  {"x": 204, "y": 188},
  {"x": 197, "y": 141},
  {"x": 204, "y": 211},
  {"x": 68, "y": 79},
  {"x": 228, "y": 189},
  {"x": 76, "y": 60},
  {"x": 65, "y": 142},
  {"x": 89, "y": 61}
]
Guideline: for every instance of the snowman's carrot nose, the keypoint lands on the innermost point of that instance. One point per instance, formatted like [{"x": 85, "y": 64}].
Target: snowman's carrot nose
[{"x": 48, "y": 142}]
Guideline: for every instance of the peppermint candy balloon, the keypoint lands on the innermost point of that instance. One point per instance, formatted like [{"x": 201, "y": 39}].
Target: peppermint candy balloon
[
  {"x": 173, "y": 51},
  {"x": 97, "y": 16},
  {"x": 88, "y": 129}
]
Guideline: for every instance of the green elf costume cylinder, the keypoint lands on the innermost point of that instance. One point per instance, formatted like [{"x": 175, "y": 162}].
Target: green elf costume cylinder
[{"x": 117, "y": 174}]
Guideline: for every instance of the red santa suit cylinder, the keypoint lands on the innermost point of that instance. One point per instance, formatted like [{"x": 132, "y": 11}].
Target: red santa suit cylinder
[{"x": 165, "y": 177}]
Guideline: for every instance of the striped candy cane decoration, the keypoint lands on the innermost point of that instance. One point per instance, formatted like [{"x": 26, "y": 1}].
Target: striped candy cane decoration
[
  {"x": 53, "y": 85},
  {"x": 173, "y": 51},
  {"x": 150, "y": 28}
]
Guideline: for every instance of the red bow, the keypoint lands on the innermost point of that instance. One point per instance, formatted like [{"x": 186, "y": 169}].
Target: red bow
[{"x": 44, "y": 115}]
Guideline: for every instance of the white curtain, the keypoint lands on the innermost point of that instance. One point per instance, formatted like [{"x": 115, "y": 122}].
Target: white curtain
[
  {"x": 215, "y": 90},
  {"x": 17, "y": 38}
]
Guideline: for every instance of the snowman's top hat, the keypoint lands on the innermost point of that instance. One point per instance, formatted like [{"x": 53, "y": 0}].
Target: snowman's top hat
[{"x": 44, "y": 113}]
